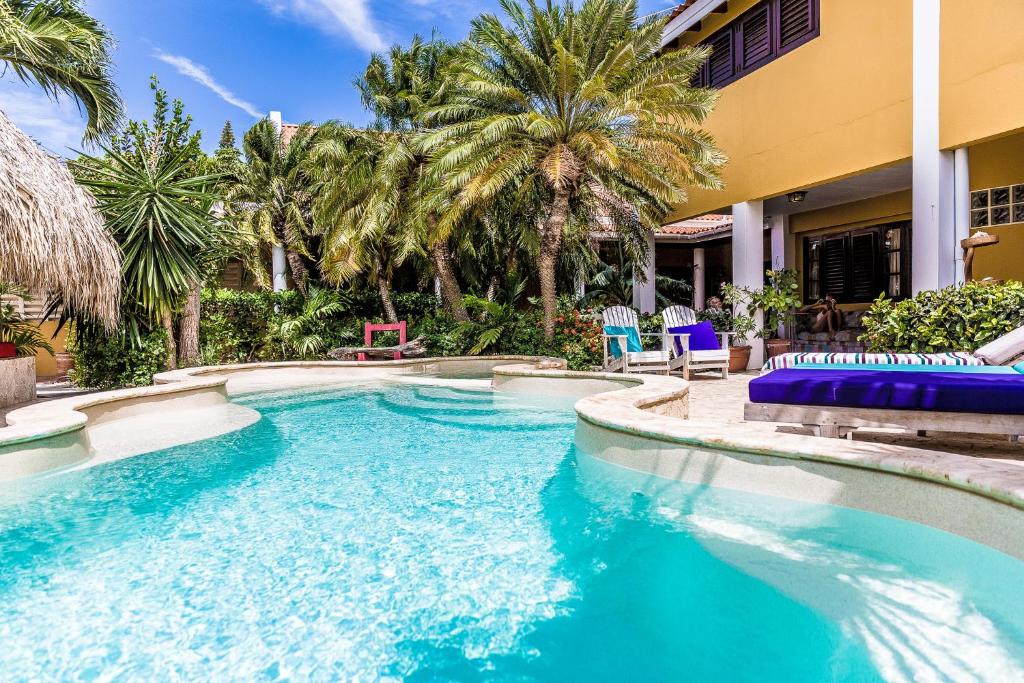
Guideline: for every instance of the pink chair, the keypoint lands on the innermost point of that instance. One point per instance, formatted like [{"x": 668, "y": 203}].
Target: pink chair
[{"x": 370, "y": 328}]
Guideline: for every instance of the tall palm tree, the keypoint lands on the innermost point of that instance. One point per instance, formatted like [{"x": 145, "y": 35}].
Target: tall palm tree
[
  {"x": 55, "y": 44},
  {"x": 581, "y": 104},
  {"x": 387, "y": 202},
  {"x": 274, "y": 191}
]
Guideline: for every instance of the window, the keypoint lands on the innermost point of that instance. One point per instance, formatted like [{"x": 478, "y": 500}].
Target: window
[
  {"x": 770, "y": 29},
  {"x": 997, "y": 206},
  {"x": 857, "y": 266}
]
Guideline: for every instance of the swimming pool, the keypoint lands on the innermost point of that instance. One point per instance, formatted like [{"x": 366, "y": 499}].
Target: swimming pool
[{"x": 433, "y": 533}]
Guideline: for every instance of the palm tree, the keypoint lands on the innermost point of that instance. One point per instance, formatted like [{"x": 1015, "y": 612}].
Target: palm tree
[
  {"x": 273, "y": 193},
  {"x": 582, "y": 105},
  {"x": 385, "y": 207},
  {"x": 55, "y": 44}
]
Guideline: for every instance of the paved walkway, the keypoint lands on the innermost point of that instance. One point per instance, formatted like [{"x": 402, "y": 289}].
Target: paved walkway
[{"x": 712, "y": 398}]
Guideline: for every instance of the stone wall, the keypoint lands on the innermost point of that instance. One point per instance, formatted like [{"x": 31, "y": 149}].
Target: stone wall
[{"x": 17, "y": 380}]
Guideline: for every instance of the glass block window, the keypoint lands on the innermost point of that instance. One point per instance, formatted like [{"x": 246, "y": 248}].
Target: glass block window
[{"x": 997, "y": 206}]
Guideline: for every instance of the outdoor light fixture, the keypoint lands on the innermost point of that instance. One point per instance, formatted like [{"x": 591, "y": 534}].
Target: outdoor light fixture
[{"x": 796, "y": 197}]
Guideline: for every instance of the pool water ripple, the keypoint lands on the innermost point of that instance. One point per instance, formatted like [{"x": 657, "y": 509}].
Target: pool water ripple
[{"x": 429, "y": 533}]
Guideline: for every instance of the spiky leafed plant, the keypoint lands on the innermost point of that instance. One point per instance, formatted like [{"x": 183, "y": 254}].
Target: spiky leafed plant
[
  {"x": 385, "y": 206},
  {"x": 273, "y": 193},
  {"x": 305, "y": 335},
  {"x": 55, "y": 44},
  {"x": 582, "y": 103},
  {"x": 157, "y": 207}
]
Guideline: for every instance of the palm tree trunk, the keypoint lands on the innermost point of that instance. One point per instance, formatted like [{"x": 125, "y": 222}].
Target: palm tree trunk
[
  {"x": 451, "y": 294},
  {"x": 547, "y": 259},
  {"x": 384, "y": 287},
  {"x": 299, "y": 272},
  {"x": 188, "y": 328},
  {"x": 169, "y": 346}
]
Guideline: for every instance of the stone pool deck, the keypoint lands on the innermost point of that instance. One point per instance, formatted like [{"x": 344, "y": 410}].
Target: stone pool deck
[{"x": 714, "y": 399}]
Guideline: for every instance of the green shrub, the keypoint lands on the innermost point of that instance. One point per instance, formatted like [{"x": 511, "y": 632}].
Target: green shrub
[
  {"x": 112, "y": 362},
  {"x": 958, "y": 318}
]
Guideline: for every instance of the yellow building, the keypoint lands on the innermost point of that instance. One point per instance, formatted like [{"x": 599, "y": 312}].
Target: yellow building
[{"x": 865, "y": 138}]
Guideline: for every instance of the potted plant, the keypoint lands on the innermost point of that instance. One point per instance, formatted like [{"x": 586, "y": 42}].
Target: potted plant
[
  {"x": 777, "y": 301},
  {"x": 18, "y": 337},
  {"x": 724, "y": 320}
]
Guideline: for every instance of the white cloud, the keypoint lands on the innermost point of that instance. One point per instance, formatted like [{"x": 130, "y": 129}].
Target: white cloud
[
  {"x": 351, "y": 17},
  {"x": 199, "y": 74},
  {"x": 57, "y": 125}
]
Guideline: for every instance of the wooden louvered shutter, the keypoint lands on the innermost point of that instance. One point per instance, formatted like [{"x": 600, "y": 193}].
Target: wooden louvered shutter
[
  {"x": 864, "y": 282},
  {"x": 754, "y": 37},
  {"x": 720, "y": 64},
  {"x": 833, "y": 267},
  {"x": 796, "y": 21}
]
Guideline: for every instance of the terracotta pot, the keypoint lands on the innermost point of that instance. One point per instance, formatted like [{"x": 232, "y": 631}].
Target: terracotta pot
[
  {"x": 65, "y": 361},
  {"x": 777, "y": 347},
  {"x": 7, "y": 350},
  {"x": 739, "y": 356}
]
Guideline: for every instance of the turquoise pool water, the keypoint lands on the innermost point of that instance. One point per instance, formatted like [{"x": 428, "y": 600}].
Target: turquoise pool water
[{"x": 429, "y": 533}]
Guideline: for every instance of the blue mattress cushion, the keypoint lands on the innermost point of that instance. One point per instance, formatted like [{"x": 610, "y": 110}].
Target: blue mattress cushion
[{"x": 937, "y": 391}]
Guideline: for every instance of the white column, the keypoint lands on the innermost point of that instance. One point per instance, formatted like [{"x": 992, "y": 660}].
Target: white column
[
  {"x": 961, "y": 209},
  {"x": 748, "y": 261},
  {"x": 699, "y": 274},
  {"x": 782, "y": 248},
  {"x": 277, "y": 260},
  {"x": 933, "y": 219},
  {"x": 643, "y": 294}
]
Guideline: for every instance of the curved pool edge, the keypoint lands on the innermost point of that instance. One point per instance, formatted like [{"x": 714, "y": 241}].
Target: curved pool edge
[
  {"x": 638, "y": 427},
  {"x": 53, "y": 436}
]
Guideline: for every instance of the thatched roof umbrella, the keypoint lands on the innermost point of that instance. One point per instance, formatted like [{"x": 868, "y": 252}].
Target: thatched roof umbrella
[{"x": 51, "y": 235}]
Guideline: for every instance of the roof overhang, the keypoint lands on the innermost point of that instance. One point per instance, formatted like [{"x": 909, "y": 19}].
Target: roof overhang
[{"x": 689, "y": 18}]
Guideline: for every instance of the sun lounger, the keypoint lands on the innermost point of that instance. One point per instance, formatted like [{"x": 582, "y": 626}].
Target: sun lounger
[{"x": 834, "y": 402}]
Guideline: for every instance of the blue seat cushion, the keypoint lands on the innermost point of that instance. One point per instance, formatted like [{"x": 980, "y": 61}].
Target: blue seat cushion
[
  {"x": 633, "y": 344},
  {"x": 702, "y": 337},
  {"x": 935, "y": 391}
]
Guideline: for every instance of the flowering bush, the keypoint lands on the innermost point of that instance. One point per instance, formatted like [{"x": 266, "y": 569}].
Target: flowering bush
[{"x": 578, "y": 339}]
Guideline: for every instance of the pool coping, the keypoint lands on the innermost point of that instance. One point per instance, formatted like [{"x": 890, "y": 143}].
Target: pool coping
[{"x": 634, "y": 411}]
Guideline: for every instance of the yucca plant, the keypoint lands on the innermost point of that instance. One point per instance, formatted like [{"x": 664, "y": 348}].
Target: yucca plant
[
  {"x": 583, "y": 105},
  {"x": 55, "y": 44}
]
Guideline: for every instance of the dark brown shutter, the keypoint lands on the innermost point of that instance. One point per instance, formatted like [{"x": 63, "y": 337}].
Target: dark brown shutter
[
  {"x": 755, "y": 37},
  {"x": 796, "y": 21},
  {"x": 864, "y": 267},
  {"x": 720, "y": 65},
  {"x": 833, "y": 267}
]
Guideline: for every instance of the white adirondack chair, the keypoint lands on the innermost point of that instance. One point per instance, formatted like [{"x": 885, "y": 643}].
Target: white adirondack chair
[
  {"x": 691, "y": 361},
  {"x": 632, "y": 361}
]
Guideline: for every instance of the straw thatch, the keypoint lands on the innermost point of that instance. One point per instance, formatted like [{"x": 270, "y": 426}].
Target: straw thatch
[{"x": 51, "y": 235}]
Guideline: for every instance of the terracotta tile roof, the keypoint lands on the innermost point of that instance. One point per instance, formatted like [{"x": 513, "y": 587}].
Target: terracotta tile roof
[
  {"x": 679, "y": 9},
  {"x": 700, "y": 226}
]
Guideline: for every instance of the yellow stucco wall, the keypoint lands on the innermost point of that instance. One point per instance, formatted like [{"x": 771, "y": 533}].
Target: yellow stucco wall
[
  {"x": 994, "y": 164},
  {"x": 982, "y": 70},
  {"x": 834, "y": 107},
  {"x": 46, "y": 366}
]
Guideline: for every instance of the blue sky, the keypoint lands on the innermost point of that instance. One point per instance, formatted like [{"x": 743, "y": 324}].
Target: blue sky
[{"x": 238, "y": 59}]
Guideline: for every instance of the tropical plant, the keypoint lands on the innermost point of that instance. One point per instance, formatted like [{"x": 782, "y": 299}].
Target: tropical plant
[
  {"x": 497, "y": 320},
  {"x": 959, "y": 318},
  {"x": 612, "y": 285},
  {"x": 306, "y": 334},
  {"x": 272, "y": 196},
  {"x": 156, "y": 198},
  {"x": 55, "y": 44},
  {"x": 777, "y": 300},
  {"x": 14, "y": 329},
  {"x": 379, "y": 206},
  {"x": 581, "y": 106}
]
